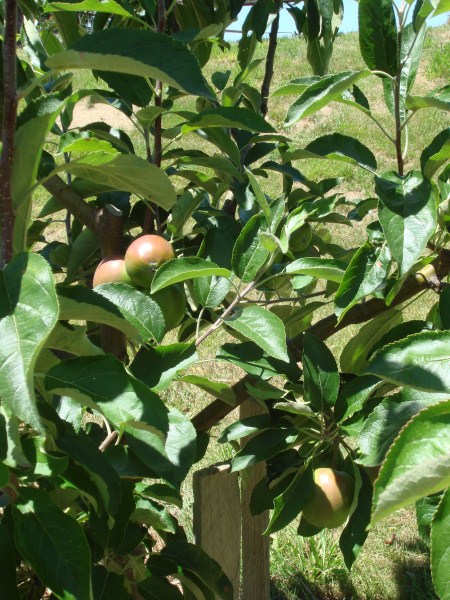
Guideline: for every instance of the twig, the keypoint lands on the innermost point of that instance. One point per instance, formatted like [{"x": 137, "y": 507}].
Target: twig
[
  {"x": 225, "y": 313},
  {"x": 108, "y": 441}
]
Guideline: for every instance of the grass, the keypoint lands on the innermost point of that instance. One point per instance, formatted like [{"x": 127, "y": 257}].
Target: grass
[{"x": 394, "y": 563}]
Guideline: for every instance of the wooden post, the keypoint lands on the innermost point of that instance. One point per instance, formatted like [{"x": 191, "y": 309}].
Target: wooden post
[
  {"x": 217, "y": 518},
  {"x": 255, "y": 546}
]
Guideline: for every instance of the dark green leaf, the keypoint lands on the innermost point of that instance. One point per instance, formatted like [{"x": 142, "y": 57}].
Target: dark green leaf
[
  {"x": 263, "y": 446},
  {"x": 193, "y": 559},
  {"x": 28, "y": 313},
  {"x": 86, "y": 454},
  {"x": 440, "y": 547},
  {"x": 320, "y": 374},
  {"x": 378, "y": 35},
  {"x": 289, "y": 504},
  {"x": 252, "y": 359},
  {"x": 355, "y": 532},
  {"x": 336, "y": 147},
  {"x": 108, "y": 585},
  {"x": 437, "y": 154},
  {"x": 243, "y": 428},
  {"x": 218, "y": 390},
  {"x": 158, "y": 366},
  {"x": 417, "y": 464},
  {"x": 240, "y": 118},
  {"x": 9, "y": 590},
  {"x": 41, "y": 534},
  {"x": 354, "y": 395},
  {"x": 136, "y": 52}
]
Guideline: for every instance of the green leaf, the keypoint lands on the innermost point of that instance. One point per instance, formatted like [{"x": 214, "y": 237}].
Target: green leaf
[
  {"x": 215, "y": 388},
  {"x": 252, "y": 359},
  {"x": 436, "y": 154},
  {"x": 263, "y": 446},
  {"x": 296, "y": 86},
  {"x": 354, "y": 395},
  {"x": 354, "y": 356},
  {"x": 78, "y": 303},
  {"x": 136, "y": 307},
  {"x": 72, "y": 339},
  {"x": 181, "y": 269},
  {"x": 289, "y": 504},
  {"x": 106, "y": 584},
  {"x": 321, "y": 268},
  {"x": 103, "y": 383},
  {"x": 355, "y": 532},
  {"x": 9, "y": 590},
  {"x": 444, "y": 307},
  {"x": 192, "y": 559},
  {"x": 240, "y": 118},
  {"x": 259, "y": 195},
  {"x": 440, "y": 547},
  {"x": 41, "y": 535},
  {"x": 320, "y": 374},
  {"x": 387, "y": 419},
  {"x": 407, "y": 214},
  {"x": 421, "y": 361},
  {"x": 87, "y": 455},
  {"x": 261, "y": 327},
  {"x": 417, "y": 464},
  {"x": 32, "y": 128},
  {"x": 171, "y": 458},
  {"x": 366, "y": 273},
  {"x": 158, "y": 367},
  {"x": 243, "y": 428},
  {"x": 123, "y": 172},
  {"x": 321, "y": 93},
  {"x": 249, "y": 254},
  {"x": 336, "y": 147},
  {"x": 378, "y": 35},
  {"x": 28, "y": 313},
  {"x": 136, "y": 52},
  {"x": 431, "y": 101},
  {"x": 109, "y": 7}
]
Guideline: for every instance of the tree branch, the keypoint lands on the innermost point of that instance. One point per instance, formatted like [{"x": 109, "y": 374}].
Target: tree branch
[
  {"x": 8, "y": 131},
  {"x": 323, "y": 329},
  {"x": 72, "y": 201},
  {"x": 270, "y": 59}
]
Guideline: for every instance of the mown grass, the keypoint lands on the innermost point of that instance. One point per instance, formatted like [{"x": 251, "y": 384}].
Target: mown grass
[{"x": 394, "y": 563}]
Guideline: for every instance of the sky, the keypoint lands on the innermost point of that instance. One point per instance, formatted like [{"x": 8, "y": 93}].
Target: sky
[{"x": 350, "y": 22}]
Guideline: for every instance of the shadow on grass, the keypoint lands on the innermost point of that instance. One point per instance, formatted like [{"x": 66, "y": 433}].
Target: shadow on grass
[
  {"x": 412, "y": 580},
  {"x": 299, "y": 586}
]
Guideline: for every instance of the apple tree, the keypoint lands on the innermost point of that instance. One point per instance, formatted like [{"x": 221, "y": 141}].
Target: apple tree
[{"x": 90, "y": 450}]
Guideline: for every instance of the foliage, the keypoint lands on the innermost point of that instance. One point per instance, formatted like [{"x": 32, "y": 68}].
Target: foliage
[{"x": 92, "y": 457}]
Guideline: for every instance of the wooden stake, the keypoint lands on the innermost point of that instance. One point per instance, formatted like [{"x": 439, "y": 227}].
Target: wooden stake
[
  {"x": 255, "y": 546},
  {"x": 217, "y": 518}
]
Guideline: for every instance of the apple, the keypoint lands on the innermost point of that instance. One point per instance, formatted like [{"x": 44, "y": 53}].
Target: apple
[
  {"x": 329, "y": 505},
  {"x": 111, "y": 270},
  {"x": 172, "y": 302},
  {"x": 144, "y": 256},
  {"x": 301, "y": 238}
]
